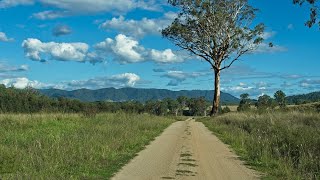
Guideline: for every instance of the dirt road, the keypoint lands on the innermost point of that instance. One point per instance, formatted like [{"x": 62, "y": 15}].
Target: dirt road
[{"x": 186, "y": 150}]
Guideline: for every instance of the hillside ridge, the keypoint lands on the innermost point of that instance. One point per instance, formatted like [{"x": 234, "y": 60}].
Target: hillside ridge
[{"x": 136, "y": 94}]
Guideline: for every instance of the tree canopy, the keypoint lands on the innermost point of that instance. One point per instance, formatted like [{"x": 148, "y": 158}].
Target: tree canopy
[
  {"x": 245, "y": 102},
  {"x": 314, "y": 10},
  {"x": 217, "y": 31},
  {"x": 280, "y": 97}
]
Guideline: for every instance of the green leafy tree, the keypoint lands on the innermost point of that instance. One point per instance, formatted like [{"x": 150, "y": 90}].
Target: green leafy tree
[
  {"x": 197, "y": 106},
  {"x": 264, "y": 102},
  {"x": 182, "y": 100},
  {"x": 132, "y": 107},
  {"x": 161, "y": 108},
  {"x": 274, "y": 104},
  {"x": 314, "y": 11},
  {"x": 217, "y": 31},
  {"x": 173, "y": 106},
  {"x": 150, "y": 107},
  {"x": 245, "y": 102},
  {"x": 280, "y": 98}
]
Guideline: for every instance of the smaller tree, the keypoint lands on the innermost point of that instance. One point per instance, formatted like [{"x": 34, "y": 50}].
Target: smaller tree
[
  {"x": 197, "y": 106},
  {"x": 173, "y": 106},
  {"x": 161, "y": 108},
  {"x": 182, "y": 100},
  {"x": 203, "y": 105},
  {"x": 264, "y": 102},
  {"x": 150, "y": 107},
  {"x": 280, "y": 97},
  {"x": 245, "y": 102}
]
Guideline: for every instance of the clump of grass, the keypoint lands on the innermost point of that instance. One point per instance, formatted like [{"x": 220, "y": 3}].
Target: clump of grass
[
  {"x": 71, "y": 146},
  {"x": 285, "y": 145}
]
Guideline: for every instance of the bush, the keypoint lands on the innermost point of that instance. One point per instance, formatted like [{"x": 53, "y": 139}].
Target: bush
[
  {"x": 225, "y": 110},
  {"x": 90, "y": 111}
]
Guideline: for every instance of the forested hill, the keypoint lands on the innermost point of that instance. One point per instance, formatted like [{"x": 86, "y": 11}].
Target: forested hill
[
  {"x": 126, "y": 94},
  {"x": 304, "y": 98}
]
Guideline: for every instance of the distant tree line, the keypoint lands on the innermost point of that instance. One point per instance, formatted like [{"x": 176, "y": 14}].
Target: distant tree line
[
  {"x": 28, "y": 100},
  {"x": 264, "y": 102}
]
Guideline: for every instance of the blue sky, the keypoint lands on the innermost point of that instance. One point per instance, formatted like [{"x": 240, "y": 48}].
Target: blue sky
[{"x": 71, "y": 44}]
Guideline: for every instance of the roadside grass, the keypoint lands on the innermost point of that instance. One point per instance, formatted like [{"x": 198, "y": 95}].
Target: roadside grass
[
  {"x": 71, "y": 146},
  {"x": 282, "y": 145}
]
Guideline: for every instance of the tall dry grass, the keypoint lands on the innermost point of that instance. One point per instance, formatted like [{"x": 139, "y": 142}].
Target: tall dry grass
[
  {"x": 72, "y": 146},
  {"x": 284, "y": 145}
]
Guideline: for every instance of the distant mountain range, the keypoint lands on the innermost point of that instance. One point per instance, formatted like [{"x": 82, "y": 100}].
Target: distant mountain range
[
  {"x": 304, "y": 98},
  {"x": 126, "y": 94}
]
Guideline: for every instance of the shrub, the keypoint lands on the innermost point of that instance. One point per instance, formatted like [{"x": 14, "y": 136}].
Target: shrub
[
  {"x": 89, "y": 111},
  {"x": 226, "y": 110}
]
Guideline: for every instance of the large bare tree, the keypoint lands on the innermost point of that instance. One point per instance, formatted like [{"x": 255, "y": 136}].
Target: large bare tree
[{"x": 217, "y": 31}]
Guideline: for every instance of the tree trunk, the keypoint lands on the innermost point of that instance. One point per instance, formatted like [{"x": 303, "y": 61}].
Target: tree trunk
[{"x": 216, "y": 97}]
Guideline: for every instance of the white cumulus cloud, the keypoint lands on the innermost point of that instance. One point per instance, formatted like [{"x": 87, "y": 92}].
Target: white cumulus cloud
[
  {"x": 166, "y": 56},
  {"x": 21, "y": 83},
  {"x": 40, "y": 51},
  {"x": 139, "y": 28},
  {"x": 122, "y": 49},
  {"x": 129, "y": 79},
  {"x": 125, "y": 49}
]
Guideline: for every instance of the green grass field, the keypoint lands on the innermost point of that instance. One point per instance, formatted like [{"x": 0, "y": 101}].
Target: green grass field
[
  {"x": 70, "y": 146},
  {"x": 283, "y": 145}
]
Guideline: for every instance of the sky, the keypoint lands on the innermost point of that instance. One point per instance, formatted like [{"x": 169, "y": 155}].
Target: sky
[{"x": 73, "y": 44}]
